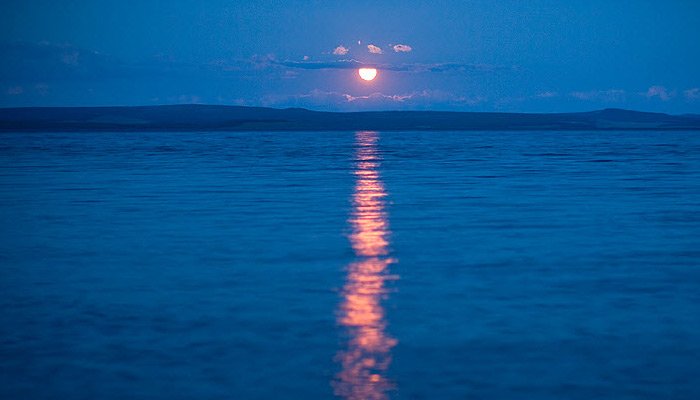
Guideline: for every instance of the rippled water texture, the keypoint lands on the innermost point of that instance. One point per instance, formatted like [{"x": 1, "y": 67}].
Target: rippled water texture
[{"x": 357, "y": 265}]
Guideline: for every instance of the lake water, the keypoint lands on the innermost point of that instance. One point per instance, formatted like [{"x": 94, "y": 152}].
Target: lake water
[{"x": 362, "y": 265}]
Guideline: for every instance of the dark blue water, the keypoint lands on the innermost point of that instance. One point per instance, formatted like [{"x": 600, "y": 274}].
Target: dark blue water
[{"x": 401, "y": 265}]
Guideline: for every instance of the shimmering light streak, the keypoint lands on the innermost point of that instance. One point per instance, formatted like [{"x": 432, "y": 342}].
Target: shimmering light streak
[{"x": 367, "y": 356}]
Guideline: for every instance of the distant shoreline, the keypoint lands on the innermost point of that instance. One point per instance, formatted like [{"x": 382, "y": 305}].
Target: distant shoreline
[{"x": 193, "y": 118}]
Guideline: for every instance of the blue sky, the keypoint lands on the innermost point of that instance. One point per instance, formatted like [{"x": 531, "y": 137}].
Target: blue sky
[{"x": 531, "y": 56}]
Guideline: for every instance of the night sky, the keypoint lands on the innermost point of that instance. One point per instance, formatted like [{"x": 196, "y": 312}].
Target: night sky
[{"x": 530, "y": 56}]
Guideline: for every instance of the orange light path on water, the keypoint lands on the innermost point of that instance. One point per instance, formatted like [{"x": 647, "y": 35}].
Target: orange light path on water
[{"x": 367, "y": 355}]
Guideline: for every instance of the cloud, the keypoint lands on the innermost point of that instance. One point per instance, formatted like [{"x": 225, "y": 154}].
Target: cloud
[
  {"x": 400, "y": 67},
  {"x": 15, "y": 90},
  {"x": 27, "y": 62},
  {"x": 692, "y": 94},
  {"x": 64, "y": 74},
  {"x": 609, "y": 95},
  {"x": 444, "y": 67},
  {"x": 378, "y": 96},
  {"x": 402, "y": 48},
  {"x": 426, "y": 99},
  {"x": 374, "y": 49},
  {"x": 546, "y": 95},
  {"x": 70, "y": 58},
  {"x": 659, "y": 91},
  {"x": 42, "y": 89},
  {"x": 341, "y": 50},
  {"x": 257, "y": 62},
  {"x": 341, "y": 64},
  {"x": 290, "y": 74},
  {"x": 185, "y": 99}
]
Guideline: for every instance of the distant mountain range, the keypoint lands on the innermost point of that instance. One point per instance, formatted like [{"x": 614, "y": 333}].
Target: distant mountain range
[{"x": 230, "y": 118}]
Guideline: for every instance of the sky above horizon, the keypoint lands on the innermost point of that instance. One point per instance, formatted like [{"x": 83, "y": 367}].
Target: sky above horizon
[{"x": 510, "y": 56}]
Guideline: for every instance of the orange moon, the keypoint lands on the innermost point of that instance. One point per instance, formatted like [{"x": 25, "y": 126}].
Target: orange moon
[{"x": 367, "y": 73}]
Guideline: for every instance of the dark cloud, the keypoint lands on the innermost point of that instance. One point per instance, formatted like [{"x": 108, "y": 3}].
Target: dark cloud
[
  {"x": 48, "y": 61},
  {"x": 34, "y": 62},
  {"x": 402, "y": 67},
  {"x": 341, "y": 64}
]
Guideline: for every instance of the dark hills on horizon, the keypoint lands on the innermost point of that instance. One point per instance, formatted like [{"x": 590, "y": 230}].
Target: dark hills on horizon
[{"x": 193, "y": 117}]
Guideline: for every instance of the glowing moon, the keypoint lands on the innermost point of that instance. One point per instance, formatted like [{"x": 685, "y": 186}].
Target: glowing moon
[{"x": 367, "y": 73}]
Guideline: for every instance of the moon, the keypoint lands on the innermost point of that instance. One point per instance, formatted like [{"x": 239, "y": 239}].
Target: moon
[{"x": 367, "y": 73}]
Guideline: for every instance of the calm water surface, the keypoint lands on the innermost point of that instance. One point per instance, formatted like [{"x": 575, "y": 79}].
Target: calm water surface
[{"x": 357, "y": 265}]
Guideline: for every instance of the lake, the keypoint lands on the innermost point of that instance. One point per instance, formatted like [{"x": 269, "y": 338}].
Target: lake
[{"x": 360, "y": 265}]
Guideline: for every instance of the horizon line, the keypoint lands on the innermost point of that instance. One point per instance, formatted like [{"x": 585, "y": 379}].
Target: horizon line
[{"x": 345, "y": 112}]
